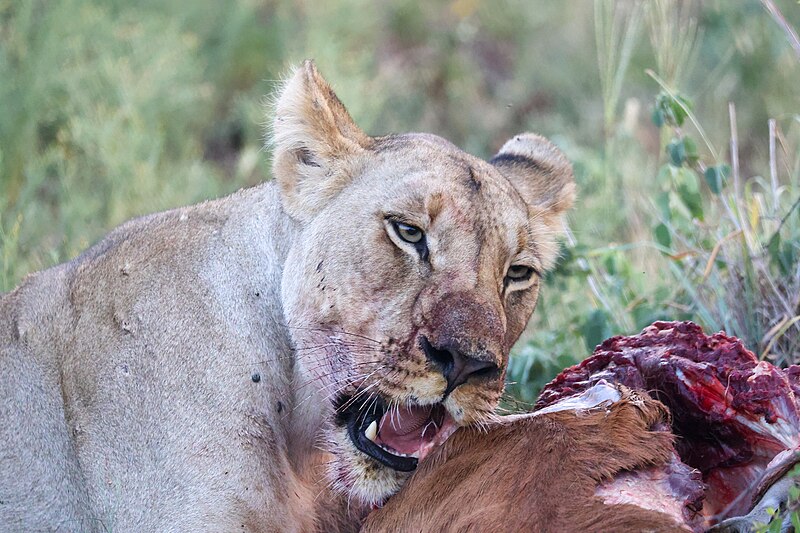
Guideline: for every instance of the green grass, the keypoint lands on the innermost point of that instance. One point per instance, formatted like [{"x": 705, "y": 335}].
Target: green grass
[{"x": 111, "y": 109}]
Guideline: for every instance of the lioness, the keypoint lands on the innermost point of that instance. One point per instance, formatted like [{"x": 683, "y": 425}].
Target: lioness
[{"x": 279, "y": 359}]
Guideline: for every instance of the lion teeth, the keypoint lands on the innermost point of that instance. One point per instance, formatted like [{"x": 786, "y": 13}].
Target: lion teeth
[
  {"x": 414, "y": 455},
  {"x": 372, "y": 431},
  {"x": 390, "y": 451}
]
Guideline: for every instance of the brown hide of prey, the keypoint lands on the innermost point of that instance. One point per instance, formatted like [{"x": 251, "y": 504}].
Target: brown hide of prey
[{"x": 539, "y": 473}]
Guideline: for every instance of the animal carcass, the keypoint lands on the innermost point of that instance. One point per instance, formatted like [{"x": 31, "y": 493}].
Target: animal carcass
[{"x": 668, "y": 430}]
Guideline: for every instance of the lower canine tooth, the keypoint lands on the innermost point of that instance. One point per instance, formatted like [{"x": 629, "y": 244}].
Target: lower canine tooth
[{"x": 372, "y": 431}]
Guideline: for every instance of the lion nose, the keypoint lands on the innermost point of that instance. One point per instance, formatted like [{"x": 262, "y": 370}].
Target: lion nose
[{"x": 456, "y": 366}]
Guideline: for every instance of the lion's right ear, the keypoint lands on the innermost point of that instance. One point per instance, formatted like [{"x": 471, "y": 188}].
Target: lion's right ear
[{"x": 316, "y": 144}]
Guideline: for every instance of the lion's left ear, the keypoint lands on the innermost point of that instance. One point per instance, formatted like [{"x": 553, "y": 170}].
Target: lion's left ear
[
  {"x": 543, "y": 176},
  {"x": 316, "y": 143}
]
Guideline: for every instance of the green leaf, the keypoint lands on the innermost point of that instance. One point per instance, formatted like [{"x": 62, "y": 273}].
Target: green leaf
[
  {"x": 717, "y": 177},
  {"x": 595, "y": 328},
  {"x": 795, "y": 521},
  {"x": 644, "y": 314},
  {"x": 610, "y": 264},
  {"x": 776, "y": 523},
  {"x": 788, "y": 258},
  {"x": 678, "y": 110},
  {"x": 664, "y": 177},
  {"x": 671, "y": 110},
  {"x": 658, "y": 117},
  {"x": 677, "y": 152},
  {"x": 689, "y": 192},
  {"x": 774, "y": 250},
  {"x": 680, "y": 213},
  {"x": 662, "y": 203},
  {"x": 663, "y": 236},
  {"x": 691, "y": 150}
]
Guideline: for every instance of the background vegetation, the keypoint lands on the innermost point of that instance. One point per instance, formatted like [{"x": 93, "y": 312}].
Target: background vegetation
[{"x": 681, "y": 119}]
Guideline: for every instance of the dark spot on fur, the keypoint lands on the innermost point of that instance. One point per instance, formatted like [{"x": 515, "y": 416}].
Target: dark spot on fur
[
  {"x": 473, "y": 182},
  {"x": 280, "y": 406},
  {"x": 319, "y": 266},
  {"x": 258, "y": 294},
  {"x": 304, "y": 156},
  {"x": 125, "y": 325},
  {"x": 256, "y": 377}
]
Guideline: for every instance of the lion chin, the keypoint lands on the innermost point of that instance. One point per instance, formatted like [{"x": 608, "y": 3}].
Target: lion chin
[
  {"x": 376, "y": 447},
  {"x": 360, "y": 476}
]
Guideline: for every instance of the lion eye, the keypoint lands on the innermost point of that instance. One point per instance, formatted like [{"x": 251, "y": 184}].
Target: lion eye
[
  {"x": 408, "y": 233},
  {"x": 403, "y": 234},
  {"x": 519, "y": 273}
]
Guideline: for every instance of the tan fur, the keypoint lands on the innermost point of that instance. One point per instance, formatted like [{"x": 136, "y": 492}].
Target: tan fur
[
  {"x": 536, "y": 473},
  {"x": 180, "y": 375}
]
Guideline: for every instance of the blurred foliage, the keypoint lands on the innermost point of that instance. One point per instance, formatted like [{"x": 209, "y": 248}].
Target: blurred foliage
[{"x": 112, "y": 109}]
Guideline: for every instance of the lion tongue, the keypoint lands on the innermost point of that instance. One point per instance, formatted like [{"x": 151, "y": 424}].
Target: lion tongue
[{"x": 414, "y": 430}]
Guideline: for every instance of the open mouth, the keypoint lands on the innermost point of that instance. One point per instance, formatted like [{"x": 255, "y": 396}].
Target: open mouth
[{"x": 398, "y": 437}]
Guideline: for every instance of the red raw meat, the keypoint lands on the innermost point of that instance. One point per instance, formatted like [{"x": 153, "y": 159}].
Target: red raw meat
[{"x": 732, "y": 413}]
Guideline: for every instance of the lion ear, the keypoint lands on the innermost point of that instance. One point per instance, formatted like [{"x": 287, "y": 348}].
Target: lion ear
[
  {"x": 316, "y": 143},
  {"x": 539, "y": 171},
  {"x": 543, "y": 176}
]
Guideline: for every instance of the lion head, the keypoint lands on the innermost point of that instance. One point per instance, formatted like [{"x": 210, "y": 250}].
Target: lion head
[{"x": 415, "y": 269}]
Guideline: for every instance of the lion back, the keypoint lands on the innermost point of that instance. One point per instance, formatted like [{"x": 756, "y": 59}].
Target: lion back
[{"x": 115, "y": 369}]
